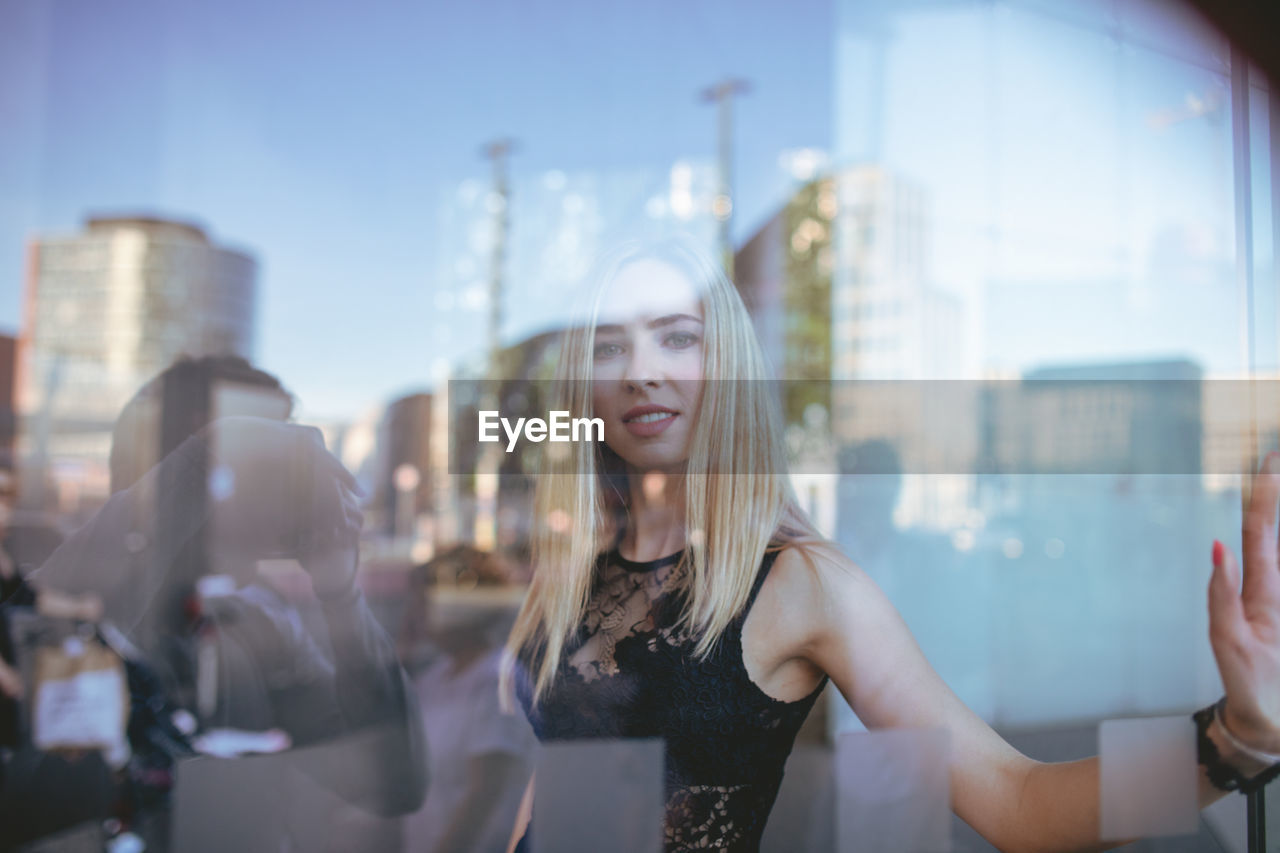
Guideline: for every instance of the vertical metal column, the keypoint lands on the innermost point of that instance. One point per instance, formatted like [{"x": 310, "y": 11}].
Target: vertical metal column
[
  {"x": 486, "y": 517},
  {"x": 722, "y": 94},
  {"x": 1255, "y": 819}
]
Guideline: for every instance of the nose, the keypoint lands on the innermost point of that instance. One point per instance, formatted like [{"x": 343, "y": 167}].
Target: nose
[{"x": 642, "y": 367}]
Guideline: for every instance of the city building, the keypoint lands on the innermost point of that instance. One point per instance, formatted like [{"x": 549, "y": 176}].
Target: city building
[
  {"x": 106, "y": 309},
  {"x": 489, "y": 500},
  {"x": 893, "y": 326},
  {"x": 889, "y": 319},
  {"x": 1241, "y": 424},
  {"x": 783, "y": 273},
  {"x": 1123, "y": 419},
  {"x": 8, "y": 414},
  {"x": 838, "y": 286},
  {"x": 405, "y": 479}
]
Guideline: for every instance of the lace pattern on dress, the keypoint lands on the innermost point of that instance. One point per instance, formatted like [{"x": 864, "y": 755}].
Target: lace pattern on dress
[
  {"x": 630, "y": 672},
  {"x": 625, "y": 603},
  {"x": 699, "y": 818}
]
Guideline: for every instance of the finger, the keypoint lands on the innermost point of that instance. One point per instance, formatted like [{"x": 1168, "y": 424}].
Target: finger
[
  {"x": 346, "y": 496},
  {"x": 1226, "y": 613},
  {"x": 1258, "y": 533},
  {"x": 354, "y": 516},
  {"x": 350, "y": 495},
  {"x": 1229, "y": 632}
]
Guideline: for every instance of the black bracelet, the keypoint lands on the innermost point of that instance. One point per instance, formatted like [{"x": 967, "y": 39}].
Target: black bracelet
[{"x": 1222, "y": 775}]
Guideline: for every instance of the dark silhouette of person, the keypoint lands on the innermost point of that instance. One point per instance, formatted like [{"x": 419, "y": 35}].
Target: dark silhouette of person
[
  {"x": 232, "y": 491},
  {"x": 14, "y": 592}
]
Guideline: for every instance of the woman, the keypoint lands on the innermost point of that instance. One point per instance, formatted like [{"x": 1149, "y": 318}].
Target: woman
[{"x": 680, "y": 593}]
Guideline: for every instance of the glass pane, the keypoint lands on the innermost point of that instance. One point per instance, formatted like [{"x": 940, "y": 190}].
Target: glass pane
[{"x": 263, "y": 266}]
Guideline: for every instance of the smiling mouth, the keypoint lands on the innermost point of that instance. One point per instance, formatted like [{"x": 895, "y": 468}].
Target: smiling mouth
[
  {"x": 649, "y": 424},
  {"x": 651, "y": 417}
]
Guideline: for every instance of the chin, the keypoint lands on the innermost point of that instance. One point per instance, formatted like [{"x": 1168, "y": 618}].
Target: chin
[
  {"x": 655, "y": 459},
  {"x": 671, "y": 452}
]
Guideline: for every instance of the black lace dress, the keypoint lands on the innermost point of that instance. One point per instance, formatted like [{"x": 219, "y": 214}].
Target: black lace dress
[{"x": 629, "y": 673}]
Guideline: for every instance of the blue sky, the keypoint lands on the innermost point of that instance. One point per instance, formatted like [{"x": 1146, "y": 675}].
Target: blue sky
[
  {"x": 324, "y": 136},
  {"x": 1078, "y": 206}
]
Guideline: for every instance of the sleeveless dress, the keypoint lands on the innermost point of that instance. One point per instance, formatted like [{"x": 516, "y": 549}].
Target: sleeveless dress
[{"x": 630, "y": 672}]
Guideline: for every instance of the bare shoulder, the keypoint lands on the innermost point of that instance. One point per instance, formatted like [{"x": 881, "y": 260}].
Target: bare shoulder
[
  {"x": 817, "y": 573},
  {"x": 816, "y": 587},
  {"x": 819, "y": 612}
]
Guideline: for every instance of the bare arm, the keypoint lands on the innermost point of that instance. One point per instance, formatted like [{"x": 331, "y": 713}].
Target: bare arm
[
  {"x": 860, "y": 640},
  {"x": 1063, "y": 798},
  {"x": 522, "y": 817}
]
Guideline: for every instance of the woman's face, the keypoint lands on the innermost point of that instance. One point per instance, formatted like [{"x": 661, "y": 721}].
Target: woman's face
[{"x": 647, "y": 364}]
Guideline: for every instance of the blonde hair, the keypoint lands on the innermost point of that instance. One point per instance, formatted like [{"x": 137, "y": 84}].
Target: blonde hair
[{"x": 737, "y": 494}]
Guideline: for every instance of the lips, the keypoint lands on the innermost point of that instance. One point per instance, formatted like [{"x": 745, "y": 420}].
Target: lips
[{"x": 648, "y": 420}]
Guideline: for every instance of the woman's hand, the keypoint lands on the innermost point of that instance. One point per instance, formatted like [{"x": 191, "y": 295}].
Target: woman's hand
[{"x": 1244, "y": 618}]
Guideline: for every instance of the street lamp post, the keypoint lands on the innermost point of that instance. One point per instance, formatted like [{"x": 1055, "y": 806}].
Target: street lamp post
[
  {"x": 721, "y": 94},
  {"x": 486, "y": 520}
]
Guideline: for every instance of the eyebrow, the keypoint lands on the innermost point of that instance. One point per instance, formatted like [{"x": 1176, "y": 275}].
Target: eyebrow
[{"x": 656, "y": 323}]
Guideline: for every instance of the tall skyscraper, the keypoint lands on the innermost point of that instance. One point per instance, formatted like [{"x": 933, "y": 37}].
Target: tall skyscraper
[
  {"x": 783, "y": 273},
  {"x": 106, "y": 309},
  {"x": 889, "y": 320},
  {"x": 839, "y": 287}
]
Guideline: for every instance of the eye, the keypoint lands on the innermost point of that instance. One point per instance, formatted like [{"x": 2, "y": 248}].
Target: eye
[
  {"x": 681, "y": 340},
  {"x": 605, "y": 349}
]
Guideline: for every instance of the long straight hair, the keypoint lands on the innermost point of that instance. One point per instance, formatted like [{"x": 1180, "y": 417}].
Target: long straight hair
[{"x": 738, "y": 499}]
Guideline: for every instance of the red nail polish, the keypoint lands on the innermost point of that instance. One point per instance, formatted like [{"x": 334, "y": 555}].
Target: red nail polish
[{"x": 1217, "y": 553}]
